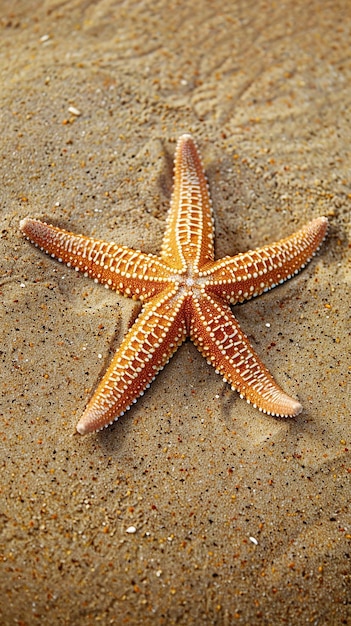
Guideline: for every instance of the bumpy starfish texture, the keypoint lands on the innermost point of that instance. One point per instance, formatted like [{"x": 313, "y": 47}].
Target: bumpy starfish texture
[{"x": 185, "y": 292}]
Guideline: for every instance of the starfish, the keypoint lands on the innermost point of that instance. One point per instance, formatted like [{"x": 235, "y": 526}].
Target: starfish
[{"x": 185, "y": 292}]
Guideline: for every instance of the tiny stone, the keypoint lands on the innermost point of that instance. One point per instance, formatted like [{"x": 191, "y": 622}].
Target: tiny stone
[
  {"x": 131, "y": 530},
  {"x": 74, "y": 111}
]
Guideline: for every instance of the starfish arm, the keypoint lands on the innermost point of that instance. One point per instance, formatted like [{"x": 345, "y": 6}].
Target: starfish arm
[
  {"x": 247, "y": 275},
  {"x": 127, "y": 271},
  {"x": 217, "y": 335},
  {"x": 189, "y": 231},
  {"x": 145, "y": 350}
]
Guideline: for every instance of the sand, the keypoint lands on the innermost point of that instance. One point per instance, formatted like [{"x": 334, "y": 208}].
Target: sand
[{"x": 194, "y": 508}]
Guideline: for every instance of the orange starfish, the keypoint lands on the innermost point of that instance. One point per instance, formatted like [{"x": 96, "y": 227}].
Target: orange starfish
[{"x": 185, "y": 293}]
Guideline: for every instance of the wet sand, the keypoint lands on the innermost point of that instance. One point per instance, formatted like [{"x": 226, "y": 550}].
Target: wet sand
[{"x": 239, "y": 518}]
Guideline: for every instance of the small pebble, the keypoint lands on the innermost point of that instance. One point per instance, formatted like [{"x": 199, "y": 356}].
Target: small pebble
[{"x": 74, "y": 111}]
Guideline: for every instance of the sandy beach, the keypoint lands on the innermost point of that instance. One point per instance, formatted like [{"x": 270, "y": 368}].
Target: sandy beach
[{"x": 194, "y": 508}]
